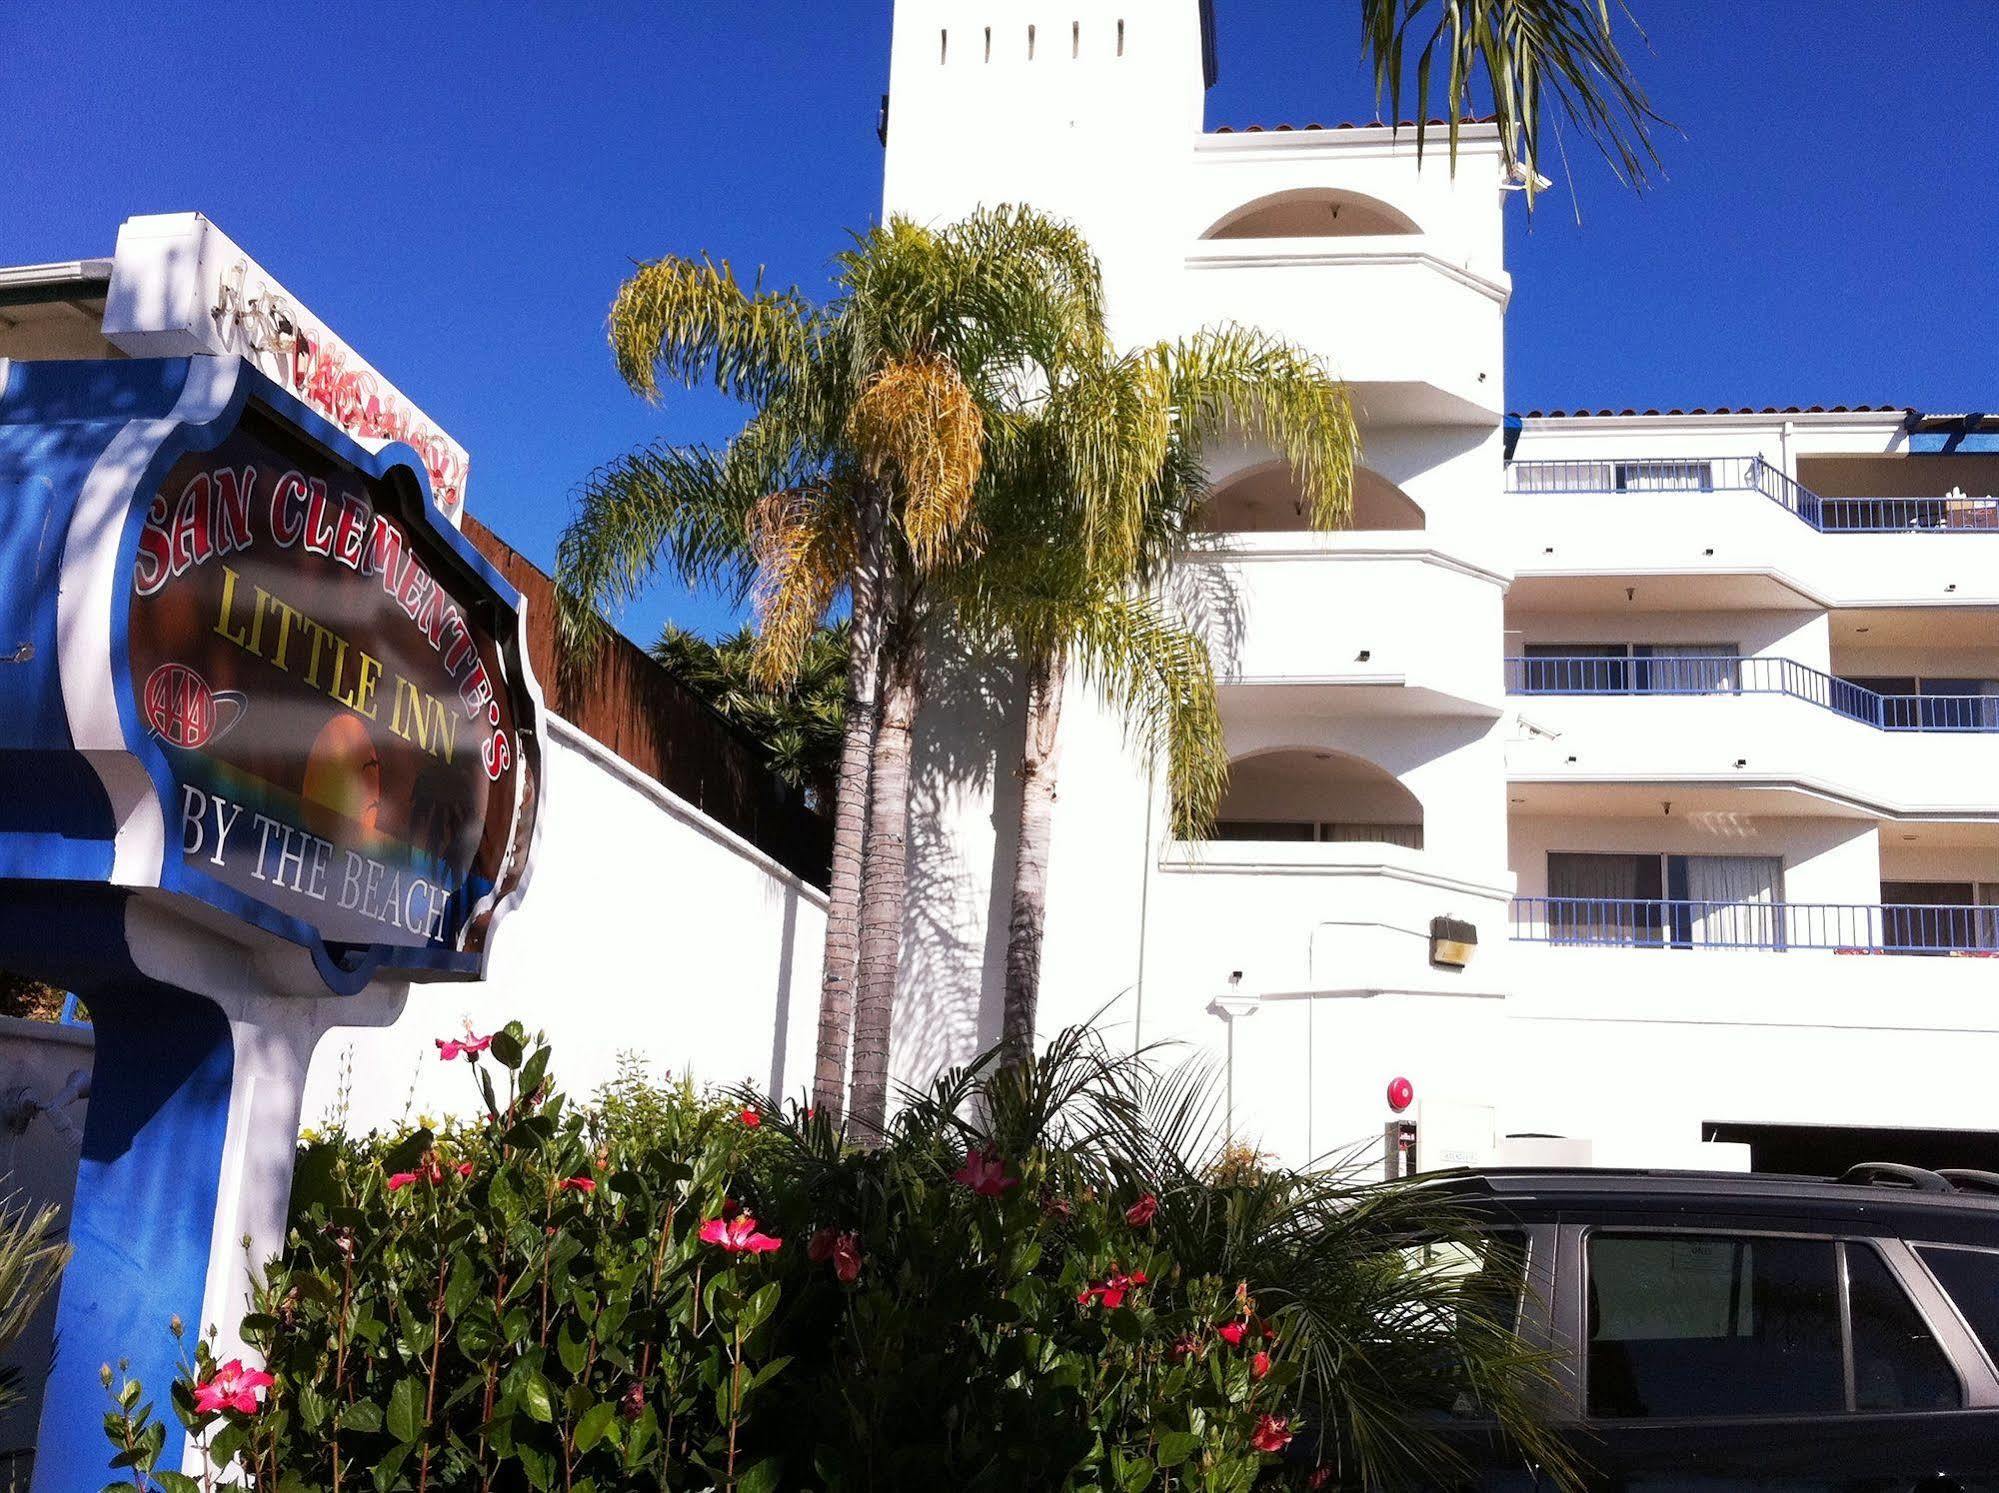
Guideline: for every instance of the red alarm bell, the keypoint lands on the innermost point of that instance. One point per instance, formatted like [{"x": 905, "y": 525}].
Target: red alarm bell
[{"x": 1401, "y": 1094}]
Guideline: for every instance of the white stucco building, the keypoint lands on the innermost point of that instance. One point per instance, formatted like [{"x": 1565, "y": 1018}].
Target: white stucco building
[{"x": 1693, "y": 715}]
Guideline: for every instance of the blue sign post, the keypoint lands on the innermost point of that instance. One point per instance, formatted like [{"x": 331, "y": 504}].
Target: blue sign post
[{"x": 269, "y": 753}]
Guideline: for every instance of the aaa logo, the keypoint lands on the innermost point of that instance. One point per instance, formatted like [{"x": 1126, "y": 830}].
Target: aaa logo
[{"x": 183, "y": 711}]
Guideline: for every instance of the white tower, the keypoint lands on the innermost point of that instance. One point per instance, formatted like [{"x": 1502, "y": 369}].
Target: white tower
[
  {"x": 1086, "y": 109},
  {"x": 1361, "y": 671}
]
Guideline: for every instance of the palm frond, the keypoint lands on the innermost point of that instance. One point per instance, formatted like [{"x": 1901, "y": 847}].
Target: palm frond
[
  {"x": 1159, "y": 677},
  {"x": 917, "y": 424},
  {"x": 1236, "y": 379},
  {"x": 689, "y": 321},
  {"x": 802, "y": 541},
  {"x": 1526, "y": 50}
]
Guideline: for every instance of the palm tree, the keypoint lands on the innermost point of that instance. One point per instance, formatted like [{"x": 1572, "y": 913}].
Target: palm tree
[
  {"x": 801, "y": 721},
  {"x": 1089, "y": 505},
  {"x": 852, "y": 478}
]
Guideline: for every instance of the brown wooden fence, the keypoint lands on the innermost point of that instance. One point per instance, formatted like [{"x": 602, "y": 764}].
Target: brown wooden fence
[{"x": 626, "y": 701}]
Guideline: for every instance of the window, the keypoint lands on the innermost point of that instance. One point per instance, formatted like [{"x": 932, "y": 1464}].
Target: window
[
  {"x": 1720, "y": 901},
  {"x": 1720, "y": 1325},
  {"x": 1473, "y": 1284},
  {"x": 1932, "y": 917},
  {"x": 1665, "y": 476},
  {"x": 1970, "y": 1277},
  {"x": 1897, "y": 1365},
  {"x": 1688, "y": 1324}
]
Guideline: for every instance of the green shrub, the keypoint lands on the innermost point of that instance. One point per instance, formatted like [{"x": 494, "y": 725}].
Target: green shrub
[{"x": 1029, "y": 1284}]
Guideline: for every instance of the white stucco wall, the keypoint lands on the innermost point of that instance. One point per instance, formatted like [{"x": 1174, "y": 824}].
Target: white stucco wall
[{"x": 646, "y": 928}]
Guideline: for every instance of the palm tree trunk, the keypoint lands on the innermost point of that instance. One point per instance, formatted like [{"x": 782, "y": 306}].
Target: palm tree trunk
[
  {"x": 885, "y": 882},
  {"x": 850, "y": 817},
  {"x": 1027, "y": 918}
]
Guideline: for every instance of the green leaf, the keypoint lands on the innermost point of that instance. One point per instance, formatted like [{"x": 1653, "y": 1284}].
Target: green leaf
[
  {"x": 595, "y": 1424},
  {"x": 756, "y": 1311},
  {"x": 506, "y": 1047},
  {"x": 535, "y": 1398},
  {"x": 1176, "y": 1447},
  {"x": 1135, "y": 1475},
  {"x": 461, "y": 1288},
  {"x": 405, "y": 1420},
  {"x": 572, "y": 1346},
  {"x": 362, "y": 1415}
]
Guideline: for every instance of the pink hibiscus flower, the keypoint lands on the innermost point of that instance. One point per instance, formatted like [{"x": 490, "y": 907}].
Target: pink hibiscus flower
[
  {"x": 231, "y": 1387},
  {"x": 986, "y": 1174},
  {"x": 738, "y": 1235}
]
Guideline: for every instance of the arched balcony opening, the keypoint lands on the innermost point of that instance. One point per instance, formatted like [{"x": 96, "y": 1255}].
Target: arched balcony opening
[
  {"x": 1313, "y": 213},
  {"x": 1323, "y": 796},
  {"x": 1266, "y": 500}
]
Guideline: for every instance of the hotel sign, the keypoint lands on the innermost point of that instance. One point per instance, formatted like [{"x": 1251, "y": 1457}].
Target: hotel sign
[
  {"x": 335, "y": 693},
  {"x": 180, "y": 285}
]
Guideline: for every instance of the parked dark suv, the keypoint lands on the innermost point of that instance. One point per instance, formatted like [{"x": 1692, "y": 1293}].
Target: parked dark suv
[{"x": 1793, "y": 1335}]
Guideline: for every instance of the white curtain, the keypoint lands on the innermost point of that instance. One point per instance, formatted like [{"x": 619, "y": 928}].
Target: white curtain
[
  {"x": 1665, "y": 476},
  {"x": 1695, "y": 668},
  {"x": 1735, "y": 899}
]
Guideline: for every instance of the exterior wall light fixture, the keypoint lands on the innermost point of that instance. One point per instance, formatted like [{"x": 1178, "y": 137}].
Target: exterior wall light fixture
[{"x": 1452, "y": 942}]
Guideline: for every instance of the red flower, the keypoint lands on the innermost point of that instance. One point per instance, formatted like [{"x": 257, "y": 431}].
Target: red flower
[
  {"x": 633, "y": 1404},
  {"x": 986, "y": 1174},
  {"x": 750, "y": 1119},
  {"x": 1272, "y": 1434},
  {"x": 1232, "y": 1333},
  {"x": 1111, "y": 1290},
  {"x": 399, "y": 1180},
  {"x": 1259, "y": 1365},
  {"x": 1184, "y": 1347},
  {"x": 231, "y": 1387},
  {"x": 738, "y": 1235},
  {"x": 1142, "y": 1212},
  {"x": 576, "y": 1184},
  {"x": 447, "y": 1050},
  {"x": 464, "y": 1168},
  {"x": 847, "y": 1259},
  {"x": 842, "y": 1249},
  {"x": 1322, "y": 1476}
]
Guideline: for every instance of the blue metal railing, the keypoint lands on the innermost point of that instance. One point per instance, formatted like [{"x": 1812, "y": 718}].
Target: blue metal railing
[
  {"x": 1858, "y": 928},
  {"x": 1754, "y": 474},
  {"x": 1687, "y": 674}
]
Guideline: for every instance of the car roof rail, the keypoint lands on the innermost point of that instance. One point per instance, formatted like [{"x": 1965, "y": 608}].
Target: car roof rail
[
  {"x": 1969, "y": 1179},
  {"x": 1894, "y": 1174}
]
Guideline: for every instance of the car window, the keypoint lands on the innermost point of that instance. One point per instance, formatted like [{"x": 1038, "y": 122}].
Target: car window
[
  {"x": 1712, "y": 1325},
  {"x": 1489, "y": 1271},
  {"x": 1897, "y": 1364},
  {"x": 1970, "y": 1277}
]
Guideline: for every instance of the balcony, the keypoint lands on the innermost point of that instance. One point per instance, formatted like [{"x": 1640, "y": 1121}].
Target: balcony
[
  {"x": 1841, "y": 928},
  {"x": 1779, "y": 728},
  {"x": 1386, "y": 621},
  {"x": 1950, "y": 514},
  {"x": 1734, "y": 531},
  {"x": 1415, "y": 332},
  {"x": 1706, "y": 675}
]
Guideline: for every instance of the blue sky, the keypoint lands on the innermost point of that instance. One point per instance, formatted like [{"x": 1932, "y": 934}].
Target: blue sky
[{"x": 458, "y": 187}]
